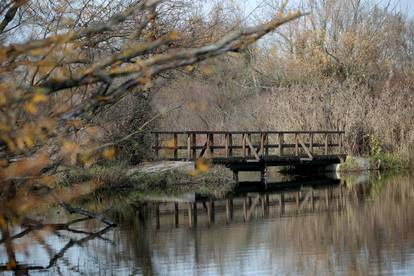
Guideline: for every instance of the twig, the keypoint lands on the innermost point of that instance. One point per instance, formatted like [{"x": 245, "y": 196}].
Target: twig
[
  {"x": 85, "y": 213},
  {"x": 140, "y": 129}
]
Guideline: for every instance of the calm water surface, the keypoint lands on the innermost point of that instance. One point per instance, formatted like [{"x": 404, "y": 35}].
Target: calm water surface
[{"x": 357, "y": 226}]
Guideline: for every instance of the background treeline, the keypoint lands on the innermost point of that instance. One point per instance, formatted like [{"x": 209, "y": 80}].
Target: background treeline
[{"x": 348, "y": 65}]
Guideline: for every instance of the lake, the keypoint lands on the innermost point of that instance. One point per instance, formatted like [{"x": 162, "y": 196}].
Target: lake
[{"x": 359, "y": 225}]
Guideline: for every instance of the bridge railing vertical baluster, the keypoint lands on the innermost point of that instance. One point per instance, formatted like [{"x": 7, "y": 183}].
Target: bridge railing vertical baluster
[
  {"x": 207, "y": 148},
  {"x": 249, "y": 152},
  {"x": 311, "y": 142},
  {"x": 188, "y": 146},
  {"x": 194, "y": 146},
  {"x": 175, "y": 146},
  {"x": 296, "y": 145},
  {"x": 230, "y": 145},
  {"x": 244, "y": 144},
  {"x": 262, "y": 141},
  {"x": 281, "y": 141},
  {"x": 226, "y": 144},
  {"x": 211, "y": 142}
]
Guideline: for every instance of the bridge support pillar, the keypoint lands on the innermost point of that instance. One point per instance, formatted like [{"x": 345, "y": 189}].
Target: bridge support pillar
[
  {"x": 236, "y": 177},
  {"x": 263, "y": 175}
]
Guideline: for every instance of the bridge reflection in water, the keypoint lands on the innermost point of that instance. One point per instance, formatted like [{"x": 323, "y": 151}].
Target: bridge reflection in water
[{"x": 248, "y": 201}]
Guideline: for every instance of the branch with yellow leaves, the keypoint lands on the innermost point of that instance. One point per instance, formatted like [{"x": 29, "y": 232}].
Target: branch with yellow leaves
[{"x": 27, "y": 128}]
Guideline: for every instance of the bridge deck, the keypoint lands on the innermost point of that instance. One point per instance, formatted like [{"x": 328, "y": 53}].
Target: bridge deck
[{"x": 243, "y": 164}]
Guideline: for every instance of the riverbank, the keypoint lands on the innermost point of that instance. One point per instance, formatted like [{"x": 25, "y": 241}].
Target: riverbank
[
  {"x": 158, "y": 177},
  {"x": 381, "y": 162}
]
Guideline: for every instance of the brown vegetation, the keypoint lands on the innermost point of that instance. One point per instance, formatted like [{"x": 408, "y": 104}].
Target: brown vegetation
[
  {"x": 346, "y": 65},
  {"x": 74, "y": 75}
]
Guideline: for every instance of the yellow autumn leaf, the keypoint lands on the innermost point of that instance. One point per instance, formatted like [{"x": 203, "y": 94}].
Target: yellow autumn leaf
[
  {"x": 194, "y": 173},
  {"x": 189, "y": 68},
  {"x": 280, "y": 13},
  {"x": 109, "y": 153},
  {"x": 3, "y": 99},
  {"x": 31, "y": 108},
  {"x": 4, "y": 127},
  {"x": 70, "y": 151},
  {"x": 28, "y": 141},
  {"x": 170, "y": 143},
  {"x": 202, "y": 165},
  {"x": 11, "y": 265},
  {"x": 39, "y": 52},
  {"x": 174, "y": 35},
  {"x": 3, "y": 54},
  {"x": 20, "y": 143},
  {"x": 39, "y": 98},
  {"x": 206, "y": 71},
  {"x": 10, "y": 143}
]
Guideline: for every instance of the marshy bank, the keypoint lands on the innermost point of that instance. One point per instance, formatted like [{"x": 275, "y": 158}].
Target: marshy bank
[
  {"x": 176, "y": 177},
  {"x": 167, "y": 178}
]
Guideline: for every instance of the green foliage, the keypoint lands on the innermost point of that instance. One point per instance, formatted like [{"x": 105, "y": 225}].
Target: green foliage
[
  {"x": 376, "y": 148},
  {"x": 389, "y": 161},
  {"x": 382, "y": 160},
  {"x": 349, "y": 165}
]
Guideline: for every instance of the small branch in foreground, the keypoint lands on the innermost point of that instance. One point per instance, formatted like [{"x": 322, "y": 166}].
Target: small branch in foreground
[
  {"x": 85, "y": 213},
  {"x": 140, "y": 129}
]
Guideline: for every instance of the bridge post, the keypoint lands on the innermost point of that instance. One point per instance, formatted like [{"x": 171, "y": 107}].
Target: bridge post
[
  {"x": 236, "y": 177},
  {"x": 244, "y": 144},
  {"x": 226, "y": 144},
  {"x": 230, "y": 144},
  {"x": 175, "y": 146},
  {"x": 188, "y": 146},
  {"x": 296, "y": 145},
  {"x": 176, "y": 215},
  {"x": 229, "y": 210},
  {"x": 262, "y": 142},
  {"x": 263, "y": 175},
  {"x": 282, "y": 204},
  {"x": 311, "y": 142},
  {"x": 267, "y": 144},
  {"x": 157, "y": 215},
  {"x": 194, "y": 144},
  {"x": 281, "y": 141},
  {"x": 326, "y": 143},
  {"x": 207, "y": 145},
  {"x": 211, "y": 143},
  {"x": 190, "y": 214},
  {"x": 249, "y": 151},
  {"x": 195, "y": 212}
]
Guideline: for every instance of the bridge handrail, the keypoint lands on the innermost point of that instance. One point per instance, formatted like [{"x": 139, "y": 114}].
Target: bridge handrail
[
  {"x": 303, "y": 142},
  {"x": 250, "y": 132}
]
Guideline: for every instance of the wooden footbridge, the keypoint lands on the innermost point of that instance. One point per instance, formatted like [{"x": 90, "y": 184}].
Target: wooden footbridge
[{"x": 251, "y": 150}]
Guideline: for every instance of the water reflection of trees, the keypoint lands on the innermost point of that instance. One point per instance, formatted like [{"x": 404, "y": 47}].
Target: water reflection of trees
[
  {"x": 371, "y": 231},
  {"x": 61, "y": 230},
  {"x": 364, "y": 229}
]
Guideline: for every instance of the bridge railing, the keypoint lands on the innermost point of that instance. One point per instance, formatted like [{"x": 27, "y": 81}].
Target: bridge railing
[{"x": 192, "y": 145}]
